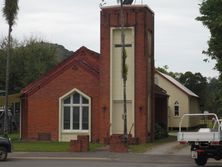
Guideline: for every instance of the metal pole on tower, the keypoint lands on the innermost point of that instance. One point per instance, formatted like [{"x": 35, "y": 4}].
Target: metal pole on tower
[{"x": 124, "y": 73}]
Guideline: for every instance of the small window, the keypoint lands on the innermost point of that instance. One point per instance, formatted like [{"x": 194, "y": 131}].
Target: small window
[{"x": 176, "y": 109}]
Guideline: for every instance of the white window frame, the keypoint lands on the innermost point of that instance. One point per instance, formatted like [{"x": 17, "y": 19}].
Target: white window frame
[
  {"x": 176, "y": 104},
  {"x": 80, "y": 105}
]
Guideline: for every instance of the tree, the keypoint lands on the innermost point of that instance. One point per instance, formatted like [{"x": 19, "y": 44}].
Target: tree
[
  {"x": 10, "y": 11},
  {"x": 209, "y": 90},
  {"x": 211, "y": 17},
  {"x": 196, "y": 83},
  {"x": 214, "y": 98},
  {"x": 165, "y": 70},
  {"x": 29, "y": 60}
]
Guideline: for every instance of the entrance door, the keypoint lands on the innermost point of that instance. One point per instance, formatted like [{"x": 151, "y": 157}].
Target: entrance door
[{"x": 117, "y": 117}]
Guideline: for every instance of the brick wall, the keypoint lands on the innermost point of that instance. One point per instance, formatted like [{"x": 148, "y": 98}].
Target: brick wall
[
  {"x": 41, "y": 103},
  {"x": 42, "y": 110},
  {"x": 141, "y": 18}
]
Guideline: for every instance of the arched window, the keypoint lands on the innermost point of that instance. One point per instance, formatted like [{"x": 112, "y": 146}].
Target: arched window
[
  {"x": 176, "y": 109},
  {"x": 75, "y": 111}
]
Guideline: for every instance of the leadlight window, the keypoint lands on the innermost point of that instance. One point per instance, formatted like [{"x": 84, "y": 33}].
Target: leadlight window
[
  {"x": 176, "y": 109},
  {"x": 75, "y": 112}
]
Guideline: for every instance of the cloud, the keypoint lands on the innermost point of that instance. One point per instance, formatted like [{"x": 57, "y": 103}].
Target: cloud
[{"x": 178, "y": 36}]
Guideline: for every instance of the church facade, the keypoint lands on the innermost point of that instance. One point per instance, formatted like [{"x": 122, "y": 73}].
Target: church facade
[{"x": 83, "y": 95}]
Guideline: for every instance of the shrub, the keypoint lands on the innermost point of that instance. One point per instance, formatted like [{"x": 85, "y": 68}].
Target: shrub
[{"x": 160, "y": 132}]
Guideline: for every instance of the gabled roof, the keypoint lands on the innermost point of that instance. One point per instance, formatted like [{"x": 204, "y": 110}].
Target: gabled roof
[
  {"x": 79, "y": 58},
  {"x": 160, "y": 91},
  {"x": 177, "y": 84}
]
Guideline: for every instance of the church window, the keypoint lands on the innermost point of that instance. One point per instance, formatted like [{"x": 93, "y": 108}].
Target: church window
[
  {"x": 176, "y": 109},
  {"x": 67, "y": 100},
  {"x": 66, "y": 117},
  {"x": 75, "y": 112},
  {"x": 76, "y": 98}
]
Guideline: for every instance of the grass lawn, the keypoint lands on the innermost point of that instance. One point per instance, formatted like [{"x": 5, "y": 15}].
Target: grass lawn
[
  {"x": 49, "y": 146},
  {"x": 40, "y": 146},
  {"x": 43, "y": 146}
]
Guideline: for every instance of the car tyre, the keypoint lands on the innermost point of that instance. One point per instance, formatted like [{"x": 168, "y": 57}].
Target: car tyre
[
  {"x": 3, "y": 153},
  {"x": 201, "y": 161}
]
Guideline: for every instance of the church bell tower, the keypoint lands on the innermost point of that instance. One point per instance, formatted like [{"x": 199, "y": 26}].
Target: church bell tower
[{"x": 139, "y": 46}]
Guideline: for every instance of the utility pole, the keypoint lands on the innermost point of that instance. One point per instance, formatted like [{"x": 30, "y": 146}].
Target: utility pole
[{"x": 124, "y": 73}]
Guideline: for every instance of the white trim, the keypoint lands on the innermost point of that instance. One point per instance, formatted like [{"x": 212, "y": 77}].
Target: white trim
[
  {"x": 177, "y": 84},
  {"x": 75, "y": 131},
  {"x": 61, "y": 130},
  {"x": 176, "y": 104},
  {"x": 111, "y": 85}
]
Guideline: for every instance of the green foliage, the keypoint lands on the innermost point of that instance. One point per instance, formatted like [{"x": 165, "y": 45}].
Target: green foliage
[
  {"x": 10, "y": 11},
  {"x": 40, "y": 146},
  {"x": 47, "y": 146},
  {"x": 141, "y": 148},
  {"x": 209, "y": 90},
  {"x": 214, "y": 96},
  {"x": 38, "y": 59},
  {"x": 29, "y": 60},
  {"x": 165, "y": 70},
  {"x": 95, "y": 146},
  {"x": 61, "y": 52},
  {"x": 196, "y": 83},
  {"x": 211, "y": 17},
  {"x": 160, "y": 132},
  {"x": 43, "y": 146},
  {"x": 2, "y": 64},
  {"x": 125, "y": 67}
]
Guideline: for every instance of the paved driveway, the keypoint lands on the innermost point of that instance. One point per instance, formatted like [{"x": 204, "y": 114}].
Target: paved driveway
[{"x": 172, "y": 148}]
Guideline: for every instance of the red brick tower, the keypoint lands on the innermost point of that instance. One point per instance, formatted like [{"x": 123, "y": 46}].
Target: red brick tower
[{"x": 139, "y": 43}]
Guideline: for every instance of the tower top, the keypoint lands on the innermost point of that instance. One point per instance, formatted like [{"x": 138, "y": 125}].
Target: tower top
[{"x": 112, "y": 7}]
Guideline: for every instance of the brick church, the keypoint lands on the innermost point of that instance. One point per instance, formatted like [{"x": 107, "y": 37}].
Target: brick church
[{"x": 83, "y": 95}]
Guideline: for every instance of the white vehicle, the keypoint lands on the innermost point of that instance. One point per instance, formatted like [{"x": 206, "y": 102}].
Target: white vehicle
[
  {"x": 1, "y": 112},
  {"x": 205, "y": 142}
]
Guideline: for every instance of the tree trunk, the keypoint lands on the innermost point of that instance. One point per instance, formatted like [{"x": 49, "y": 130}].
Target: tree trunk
[{"x": 7, "y": 81}]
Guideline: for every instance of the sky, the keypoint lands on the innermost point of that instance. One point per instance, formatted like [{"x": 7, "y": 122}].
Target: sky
[{"x": 179, "y": 38}]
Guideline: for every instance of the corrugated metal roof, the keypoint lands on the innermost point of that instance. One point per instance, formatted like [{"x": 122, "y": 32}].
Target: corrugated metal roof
[{"x": 179, "y": 85}]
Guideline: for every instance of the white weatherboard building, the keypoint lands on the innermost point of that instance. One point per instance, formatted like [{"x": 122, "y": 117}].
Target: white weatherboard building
[{"x": 181, "y": 101}]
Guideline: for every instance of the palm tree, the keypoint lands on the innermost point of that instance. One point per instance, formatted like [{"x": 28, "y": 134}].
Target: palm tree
[{"x": 10, "y": 11}]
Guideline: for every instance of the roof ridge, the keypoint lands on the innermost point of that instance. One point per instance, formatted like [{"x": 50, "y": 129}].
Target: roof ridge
[
  {"x": 45, "y": 78},
  {"x": 178, "y": 84}
]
